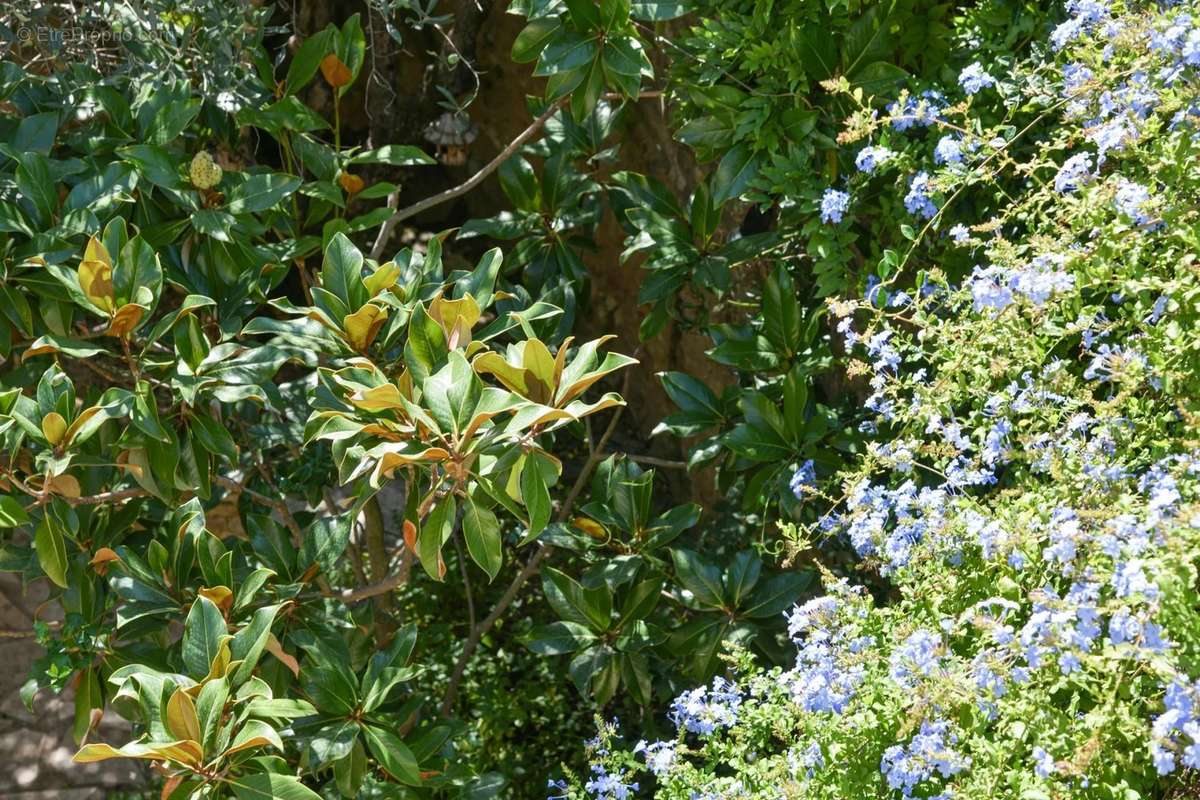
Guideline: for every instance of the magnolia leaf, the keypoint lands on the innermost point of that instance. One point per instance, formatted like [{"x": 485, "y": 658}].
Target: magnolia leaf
[
  {"x": 95, "y": 279},
  {"x": 270, "y": 786},
  {"x": 51, "y": 551},
  {"x": 54, "y": 428},
  {"x": 381, "y": 279},
  {"x": 434, "y": 534},
  {"x": 255, "y": 733},
  {"x": 202, "y": 633},
  {"x": 183, "y": 752},
  {"x": 363, "y": 325},
  {"x": 182, "y": 720},
  {"x": 385, "y": 397},
  {"x": 394, "y": 756},
  {"x": 481, "y": 529}
]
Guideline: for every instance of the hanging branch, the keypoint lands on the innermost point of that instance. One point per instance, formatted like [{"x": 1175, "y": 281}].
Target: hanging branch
[{"x": 385, "y": 230}]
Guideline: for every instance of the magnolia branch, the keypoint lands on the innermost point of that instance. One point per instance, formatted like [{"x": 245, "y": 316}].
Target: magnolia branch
[{"x": 531, "y": 566}]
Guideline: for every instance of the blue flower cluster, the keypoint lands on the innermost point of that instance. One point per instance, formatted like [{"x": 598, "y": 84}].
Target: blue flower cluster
[
  {"x": 1075, "y": 173},
  {"x": 917, "y": 201},
  {"x": 834, "y": 204},
  {"x": 1085, "y": 16},
  {"x": 890, "y": 523},
  {"x": 948, "y": 150},
  {"x": 1006, "y": 489},
  {"x": 973, "y": 79},
  {"x": 1134, "y": 201},
  {"x": 872, "y": 157},
  {"x": 804, "y": 477},
  {"x": 918, "y": 657},
  {"x": 930, "y": 754},
  {"x": 605, "y": 785},
  {"x": 923, "y": 111},
  {"x": 1176, "y": 732},
  {"x": 703, "y": 710},
  {"x": 660, "y": 756},
  {"x": 994, "y": 288},
  {"x": 829, "y": 664}
]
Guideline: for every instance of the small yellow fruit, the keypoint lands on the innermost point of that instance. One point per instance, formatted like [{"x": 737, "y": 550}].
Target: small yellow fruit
[{"x": 204, "y": 172}]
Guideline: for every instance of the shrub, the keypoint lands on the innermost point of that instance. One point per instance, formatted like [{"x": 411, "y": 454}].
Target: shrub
[{"x": 1022, "y": 619}]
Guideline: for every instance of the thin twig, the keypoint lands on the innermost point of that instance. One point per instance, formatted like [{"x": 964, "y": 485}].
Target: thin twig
[
  {"x": 106, "y": 497},
  {"x": 657, "y": 462},
  {"x": 385, "y": 230},
  {"x": 392, "y": 581}
]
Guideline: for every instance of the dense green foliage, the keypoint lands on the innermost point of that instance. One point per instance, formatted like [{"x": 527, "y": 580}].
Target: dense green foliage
[
  {"x": 1028, "y": 486},
  {"x": 329, "y": 518}
]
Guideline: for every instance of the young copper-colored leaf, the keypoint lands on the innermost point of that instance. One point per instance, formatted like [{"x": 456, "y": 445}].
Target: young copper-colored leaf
[
  {"x": 382, "y": 279},
  {"x": 95, "y": 279},
  {"x": 335, "y": 72},
  {"x": 390, "y": 460},
  {"x": 255, "y": 733},
  {"x": 181, "y": 752},
  {"x": 182, "y": 720},
  {"x": 378, "y": 398},
  {"x": 351, "y": 183},
  {"x": 125, "y": 320},
  {"x": 78, "y": 422},
  {"x": 456, "y": 317},
  {"x": 363, "y": 325},
  {"x": 539, "y": 370},
  {"x": 276, "y": 649},
  {"x": 54, "y": 427},
  {"x": 64, "y": 486},
  {"x": 96, "y": 251},
  {"x": 103, "y": 556},
  {"x": 222, "y": 597},
  {"x": 513, "y": 378}
]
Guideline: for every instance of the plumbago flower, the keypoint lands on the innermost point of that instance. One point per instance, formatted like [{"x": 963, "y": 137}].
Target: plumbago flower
[{"x": 1023, "y": 512}]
